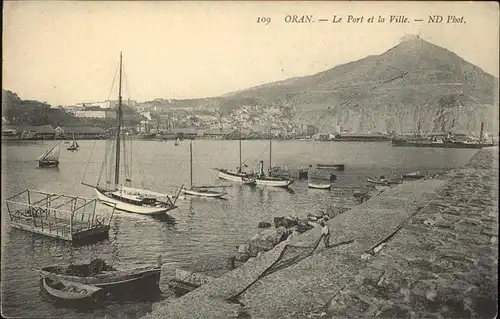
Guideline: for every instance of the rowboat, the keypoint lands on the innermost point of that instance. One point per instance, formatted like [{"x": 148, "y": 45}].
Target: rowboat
[
  {"x": 98, "y": 274},
  {"x": 63, "y": 289},
  {"x": 338, "y": 167},
  {"x": 319, "y": 186},
  {"x": 203, "y": 192},
  {"x": 235, "y": 176}
]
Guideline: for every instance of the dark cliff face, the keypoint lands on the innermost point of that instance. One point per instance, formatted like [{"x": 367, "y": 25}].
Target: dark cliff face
[{"x": 415, "y": 81}]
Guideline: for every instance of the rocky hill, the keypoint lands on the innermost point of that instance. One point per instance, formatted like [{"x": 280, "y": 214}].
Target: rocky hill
[
  {"x": 29, "y": 112},
  {"x": 415, "y": 81}
]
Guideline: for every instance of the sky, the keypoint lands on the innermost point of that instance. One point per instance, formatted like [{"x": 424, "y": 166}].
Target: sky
[{"x": 65, "y": 52}]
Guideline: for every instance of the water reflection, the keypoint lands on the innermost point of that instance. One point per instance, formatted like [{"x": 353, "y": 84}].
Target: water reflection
[{"x": 198, "y": 229}]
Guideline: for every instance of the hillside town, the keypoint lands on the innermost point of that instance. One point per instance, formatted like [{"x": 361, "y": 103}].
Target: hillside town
[{"x": 165, "y": 119}]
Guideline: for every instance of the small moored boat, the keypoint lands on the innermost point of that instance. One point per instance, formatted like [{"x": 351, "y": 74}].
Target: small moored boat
[
  {"x": 74, "y": 145},
  {"x": 98, "y": 274},
  {"x": 338, "y": 167},
  {"x": 319, "y": 186},
  {"x": 63, "y": 289},
  {"x": 50, "y": 158},
  {"x": 202, "y": 191}
]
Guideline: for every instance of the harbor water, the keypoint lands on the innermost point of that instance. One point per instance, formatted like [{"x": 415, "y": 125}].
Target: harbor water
[{"x": 199, "y": 228}]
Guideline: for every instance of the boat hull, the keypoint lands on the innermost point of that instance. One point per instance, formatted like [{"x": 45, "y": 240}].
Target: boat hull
[
  {"x": 49, "y": 286},
  {"x": 131, "y": 208},
  {"x": 440, "y": 145},
  {"x": 202, "y": 193},
  {"x": 234, "y": 177},
  {"x": 337, "y": 167},
  {"x": 274, "y": 182},
  {"x": 115, "y": 280},
  {"x": 319, "y": 186},
  {"x": 48, "y": 163}
]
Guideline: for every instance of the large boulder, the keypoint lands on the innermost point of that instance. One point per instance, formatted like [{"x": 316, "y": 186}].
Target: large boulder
[
  {"x": 264, "y": 241},
  {"x": 264, "y": 225},
  {"x": 303, "y": 225},
  {"x": 286, "y": 222},
  {"x": 335, "y": 211}
]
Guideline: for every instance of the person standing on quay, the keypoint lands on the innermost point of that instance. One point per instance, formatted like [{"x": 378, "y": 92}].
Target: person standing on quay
[{"x": 325, "y": 232}]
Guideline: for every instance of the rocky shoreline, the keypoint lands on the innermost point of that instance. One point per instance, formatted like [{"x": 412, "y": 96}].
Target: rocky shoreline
[{"x": 422, "y": 249}]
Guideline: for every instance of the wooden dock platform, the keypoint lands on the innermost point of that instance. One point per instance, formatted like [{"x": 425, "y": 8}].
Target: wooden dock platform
[{"x": 65, "y": 217}]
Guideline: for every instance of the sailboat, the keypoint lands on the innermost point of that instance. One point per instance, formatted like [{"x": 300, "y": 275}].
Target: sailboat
[
  {"x": 128, "y": 199},
  {"x": 50, "y": 158},
  {"x": 269, "y": 180},
  {"x": 237, "y": 175},
  {"x": 176, "y": 143},
  {"x": 74, "y": 145},
  {"x": 200, "y": 190}
]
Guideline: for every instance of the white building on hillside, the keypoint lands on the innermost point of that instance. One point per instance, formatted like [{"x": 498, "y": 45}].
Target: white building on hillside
[
  {"x": 106, "y": 104},
  {"x": 95, "y": 114}
]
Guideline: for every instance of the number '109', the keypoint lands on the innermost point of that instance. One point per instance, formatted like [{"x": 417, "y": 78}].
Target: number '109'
[{"x": 265, "y": 20}]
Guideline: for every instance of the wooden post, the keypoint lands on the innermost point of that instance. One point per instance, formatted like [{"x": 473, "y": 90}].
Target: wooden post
[
  {"x": 32, "y": 216},
  {"x": 55, "y": 224},
  {"x": 88, "y": 222},
  {"x": 93, "y": 214},
  {"x": 8, "y": 209},
  {"x": 71, "y": 220}
]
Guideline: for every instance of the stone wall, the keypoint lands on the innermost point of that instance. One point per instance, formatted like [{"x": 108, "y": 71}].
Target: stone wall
[
  {"x": 426, "y": 249},
  {"x": 443, "y": 263}
]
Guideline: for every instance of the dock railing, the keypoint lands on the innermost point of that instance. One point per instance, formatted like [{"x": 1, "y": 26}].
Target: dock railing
[{"x": 56, "y": 214}]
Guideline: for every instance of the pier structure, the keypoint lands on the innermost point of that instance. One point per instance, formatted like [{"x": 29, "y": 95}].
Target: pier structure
[
  {"x": 424, "y": 249},
  {"x": 65, "y": 217}
]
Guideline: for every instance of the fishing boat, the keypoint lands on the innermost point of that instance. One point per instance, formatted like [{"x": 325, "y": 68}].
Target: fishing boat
[
  {"x": 338, "y": 167},
  {"x": 138, "y": 201},
  {"x": 202, "y": 191},
  {"x": 50, "y": 158},
  {"x": 177, "y": 142},
  {"x": 67, "y": 290},
  {"x": 269, "y": 180},
  {"x": 100, "y": 275},
  {"x": 237, "y": 175},
  {"x": 319, "y": 186},
  {"x": 74, "y": 145}
]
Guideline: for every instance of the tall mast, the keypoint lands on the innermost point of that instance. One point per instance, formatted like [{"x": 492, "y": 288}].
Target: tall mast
[
  {"x": 481, "y": 133},
  {"x": 270, "y": 147},
  {"x": 119, "y": 126},
  {"x": 190, "y": 164},
  {"x": 240, "y": 168}
]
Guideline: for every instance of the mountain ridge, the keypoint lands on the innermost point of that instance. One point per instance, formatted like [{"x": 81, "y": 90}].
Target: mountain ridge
[{"x": 408, "y": 83}]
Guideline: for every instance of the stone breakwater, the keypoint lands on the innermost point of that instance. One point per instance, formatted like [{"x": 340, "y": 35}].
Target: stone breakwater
[{"x": 426, "y": 249}]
